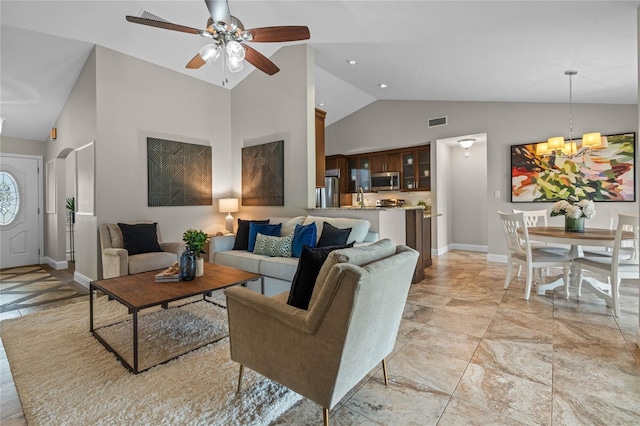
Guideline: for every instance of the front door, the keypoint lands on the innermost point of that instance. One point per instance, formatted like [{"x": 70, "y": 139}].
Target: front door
[{"x": 19, "y": 211}]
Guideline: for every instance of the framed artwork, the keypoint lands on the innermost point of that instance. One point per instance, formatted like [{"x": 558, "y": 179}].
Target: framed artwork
[
  {"x": 606, "y": 173},
  {"x": 178, "y": 174},
  {"x": 263, "y": 174}
]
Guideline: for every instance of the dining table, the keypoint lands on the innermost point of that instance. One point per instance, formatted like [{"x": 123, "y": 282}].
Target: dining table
[{"x": 591, "y": 237}]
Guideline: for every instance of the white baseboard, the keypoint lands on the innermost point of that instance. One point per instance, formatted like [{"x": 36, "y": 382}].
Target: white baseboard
[
  {"x": 82, "y": 279},
  {"x": 499, "y": 258},
  {"x": 469, "y": 247},
  {"x": 440, "y": 251},
  {"x": 56, "y": 264}
]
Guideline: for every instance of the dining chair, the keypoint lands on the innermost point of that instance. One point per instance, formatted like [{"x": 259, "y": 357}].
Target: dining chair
[
  {"x": 628, "y": 248},
  {"x": 520, "y": 252},
  {"x": 539, "y": 218},
  {"x": 615, "y": 267}
]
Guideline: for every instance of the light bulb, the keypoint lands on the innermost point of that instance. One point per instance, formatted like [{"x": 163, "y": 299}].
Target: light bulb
[
  {"x": 209, "y": 53},
  {"x": 235, "y": 51},
  {"x": 235, "y": 66}
]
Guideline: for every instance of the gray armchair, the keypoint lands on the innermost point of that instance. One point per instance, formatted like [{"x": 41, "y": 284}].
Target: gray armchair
[
  {"x": 117, "y": 262},
  {"x": 351, "y": 325}
]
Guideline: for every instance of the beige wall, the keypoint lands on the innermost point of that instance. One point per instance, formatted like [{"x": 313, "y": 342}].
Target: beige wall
[
  {"x": 22, "y": 146},
  {"x": 385, "y": 124},
  {"x": 279, "y": 107}
]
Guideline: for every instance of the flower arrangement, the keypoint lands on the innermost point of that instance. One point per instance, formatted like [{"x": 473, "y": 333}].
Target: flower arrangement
[{"x": 583, "y": 208}]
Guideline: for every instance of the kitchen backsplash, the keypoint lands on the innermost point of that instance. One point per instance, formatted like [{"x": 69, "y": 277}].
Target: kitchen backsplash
[{"x": 411, "y": 198}]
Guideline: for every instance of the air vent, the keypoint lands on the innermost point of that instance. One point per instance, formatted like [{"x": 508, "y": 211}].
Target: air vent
[
  {"x": 148, "y": 15},
  {"x": 440, "y": 121}
]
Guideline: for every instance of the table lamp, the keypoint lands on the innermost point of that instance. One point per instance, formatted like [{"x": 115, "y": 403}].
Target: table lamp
[{"x": 229, "y": 205}]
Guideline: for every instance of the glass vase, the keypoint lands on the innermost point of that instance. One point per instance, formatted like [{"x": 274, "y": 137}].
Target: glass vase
[
  {"x": 187, "y": 265},
  {"x": 573, "y": 224}
]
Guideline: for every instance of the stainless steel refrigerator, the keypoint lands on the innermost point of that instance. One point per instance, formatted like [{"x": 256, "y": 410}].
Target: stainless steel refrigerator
[{"x": 329, "y": 196}]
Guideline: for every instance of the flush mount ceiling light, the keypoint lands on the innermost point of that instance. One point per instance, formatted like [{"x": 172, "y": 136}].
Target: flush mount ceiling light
[
  {"x": 352, "y": 61},
  {"x": 382, "y": 85},
  {"x": 466, "y": 144},
  {"x": 321, "y": 104},
  {"x": 559, "y": 147}
]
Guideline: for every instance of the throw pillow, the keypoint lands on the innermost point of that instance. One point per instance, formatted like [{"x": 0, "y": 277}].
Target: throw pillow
[
  {"x": 273, "y": 246},
  {"x": 332, "y": 236},
  {"x": 242, "y": 235},
  {"x": 140, "y": 238},
  {"x": 311, "y": 260},
  {"x": 303, "y": 235},
  {"x": 262, "y": 228}
]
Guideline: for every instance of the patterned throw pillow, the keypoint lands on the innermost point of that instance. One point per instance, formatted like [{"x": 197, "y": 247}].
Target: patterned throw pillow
[{"x": 273, "y": 246}]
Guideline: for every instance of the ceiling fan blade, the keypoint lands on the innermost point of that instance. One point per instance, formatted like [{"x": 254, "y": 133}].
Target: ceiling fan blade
[
  {"x": 164, "y": 25},
  {"x": 259, "y": 61},
  {"x": 196, "y": 62},
  {"x": 219, "y": 10},
  {"x": 276, "y": 34}
]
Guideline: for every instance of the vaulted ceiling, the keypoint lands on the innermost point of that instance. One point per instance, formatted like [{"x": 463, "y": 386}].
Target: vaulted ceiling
[{"x": 506, "y": 51}]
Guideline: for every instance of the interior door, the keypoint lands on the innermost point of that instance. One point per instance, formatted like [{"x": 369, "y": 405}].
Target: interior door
[{"x": 19, "y": 211}]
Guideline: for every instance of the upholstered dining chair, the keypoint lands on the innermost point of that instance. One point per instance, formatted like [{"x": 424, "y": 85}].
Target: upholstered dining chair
[
  {"x": 618, "y": 266},
  {"x": 350, "y": 326},
  {"x": 520, "y": 252}
]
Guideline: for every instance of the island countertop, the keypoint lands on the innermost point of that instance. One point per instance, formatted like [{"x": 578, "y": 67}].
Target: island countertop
[{"x": 427, "y": 212}]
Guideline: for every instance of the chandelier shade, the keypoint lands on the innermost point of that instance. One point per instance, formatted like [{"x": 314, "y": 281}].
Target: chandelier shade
[{"x": 592, "y": 140}]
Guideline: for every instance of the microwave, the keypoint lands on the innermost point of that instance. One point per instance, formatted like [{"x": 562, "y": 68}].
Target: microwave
[{"x": 385, "y": 181}]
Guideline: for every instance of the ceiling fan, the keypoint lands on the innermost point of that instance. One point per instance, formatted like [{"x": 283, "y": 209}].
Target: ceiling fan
[{"x": 229, "y": 37}]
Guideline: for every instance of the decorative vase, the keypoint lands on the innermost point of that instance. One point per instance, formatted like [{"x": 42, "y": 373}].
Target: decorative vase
[
  {"x": 573, "y": 224},
  {"x": 199, "y": 267},
  {"x": 187, "y": 265}
]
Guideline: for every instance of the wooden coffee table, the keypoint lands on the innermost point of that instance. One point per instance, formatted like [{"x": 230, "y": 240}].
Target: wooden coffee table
[{"x": 140, "y": 291}]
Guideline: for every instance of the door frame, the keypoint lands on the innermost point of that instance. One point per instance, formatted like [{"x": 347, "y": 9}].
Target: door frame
[{"x": 40, "y": 180}]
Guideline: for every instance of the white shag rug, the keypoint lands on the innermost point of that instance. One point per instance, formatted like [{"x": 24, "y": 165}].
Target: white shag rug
[{"x": 65, "y": 376}]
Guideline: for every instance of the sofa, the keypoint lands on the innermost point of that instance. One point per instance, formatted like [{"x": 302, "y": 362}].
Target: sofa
[{"x": 278, "y": 272}]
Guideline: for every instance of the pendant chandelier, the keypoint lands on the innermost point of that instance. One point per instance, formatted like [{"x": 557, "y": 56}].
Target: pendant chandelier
[{"x": 558, "y": 146}]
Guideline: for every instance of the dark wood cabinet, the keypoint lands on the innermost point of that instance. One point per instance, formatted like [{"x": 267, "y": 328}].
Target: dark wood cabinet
[
  {"x": 414, "y": 239},
  {"x": 389, "y": 162},
  {"x": 426, "y": 242},
  {"x": 416, "y": 170},
  {"x": 320, "y": 162},
  {"x": 358, "y": 173},
  {"x": 337, "y": 165}
]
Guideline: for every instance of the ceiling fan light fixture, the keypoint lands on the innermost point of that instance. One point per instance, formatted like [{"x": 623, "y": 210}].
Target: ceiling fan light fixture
[
  {"x": 235, "y": 51},
  {"x": 234, "y": 65},
  {"x": 210, "y": 52}
]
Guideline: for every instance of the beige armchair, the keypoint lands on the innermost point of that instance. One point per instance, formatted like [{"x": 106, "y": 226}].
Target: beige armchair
[
  {"x": 351, "y": 325},
  {"x": 117, "y": 262}
]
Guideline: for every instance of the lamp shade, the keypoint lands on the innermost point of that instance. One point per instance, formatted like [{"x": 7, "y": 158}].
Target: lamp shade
[
  {"x": 591, "y": 139},
  {"x": 228, "y": 205},
  {"x": 542, "y": 148},
  {"x": 570, "y": 149},
  {"x": 556, "y": 142}
]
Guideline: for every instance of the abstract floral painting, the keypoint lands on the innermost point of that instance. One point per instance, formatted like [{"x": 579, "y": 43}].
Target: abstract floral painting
[{"x": 605, "y": 174}]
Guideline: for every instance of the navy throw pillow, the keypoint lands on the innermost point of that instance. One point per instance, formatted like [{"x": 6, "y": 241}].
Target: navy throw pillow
[
  {"x": 140, "y": 238},
  {"x": 332, "y": 236},
  {"x": 272, "y": 230},
  {"x": 303, "y": 235},
  {"x": 311, "y": 260},
  {"x": 242, "y": 235}
]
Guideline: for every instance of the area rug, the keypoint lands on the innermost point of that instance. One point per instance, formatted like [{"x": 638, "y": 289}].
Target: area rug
[{"x": 65, "y": 376}]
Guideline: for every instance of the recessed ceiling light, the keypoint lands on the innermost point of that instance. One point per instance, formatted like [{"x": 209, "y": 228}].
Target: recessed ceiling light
[
  {"x": 382, "y": 85},
  {"x": 352, "y": 61},
  {"x": 321, "y": 104}
]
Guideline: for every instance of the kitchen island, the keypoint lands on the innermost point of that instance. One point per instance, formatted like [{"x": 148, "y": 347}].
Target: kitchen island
[{"x": 409, "y": 225}]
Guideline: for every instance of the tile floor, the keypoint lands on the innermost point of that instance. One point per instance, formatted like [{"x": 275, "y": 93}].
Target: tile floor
[{"x": 469, "y": 353}]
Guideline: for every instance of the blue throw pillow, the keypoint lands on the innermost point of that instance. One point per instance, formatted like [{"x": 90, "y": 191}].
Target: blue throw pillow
[
  {"x": 264, "y": 229},
  {"x": 303, "y": 235}
]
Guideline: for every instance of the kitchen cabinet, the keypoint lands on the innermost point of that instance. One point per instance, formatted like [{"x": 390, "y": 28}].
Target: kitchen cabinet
[
  {"x": 414, "y": 239},
  {"x": 358, "y": 173},
  {"x": 320, "y": 167},
  {"x": 336, "y": 165},
  {"x": 416, "y": 170},
  {"x": 389, "y": 162}
]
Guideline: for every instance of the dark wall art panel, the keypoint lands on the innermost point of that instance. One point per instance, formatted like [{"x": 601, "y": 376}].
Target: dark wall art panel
[
  {"x": 178, "y": 174},
  {"x": 603, "y": 174},
  {"x": 263, "y": 175}
]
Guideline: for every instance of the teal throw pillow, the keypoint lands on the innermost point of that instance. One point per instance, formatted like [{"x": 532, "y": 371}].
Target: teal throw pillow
[
  {"x": 273, "y": 246},
  {"x": 303, "y": 235}
]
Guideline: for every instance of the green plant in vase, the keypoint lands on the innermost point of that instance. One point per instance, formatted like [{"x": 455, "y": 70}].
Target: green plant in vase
[
  {"x": 71, "y": 206},
  {"x": 195, "y": 240}
]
